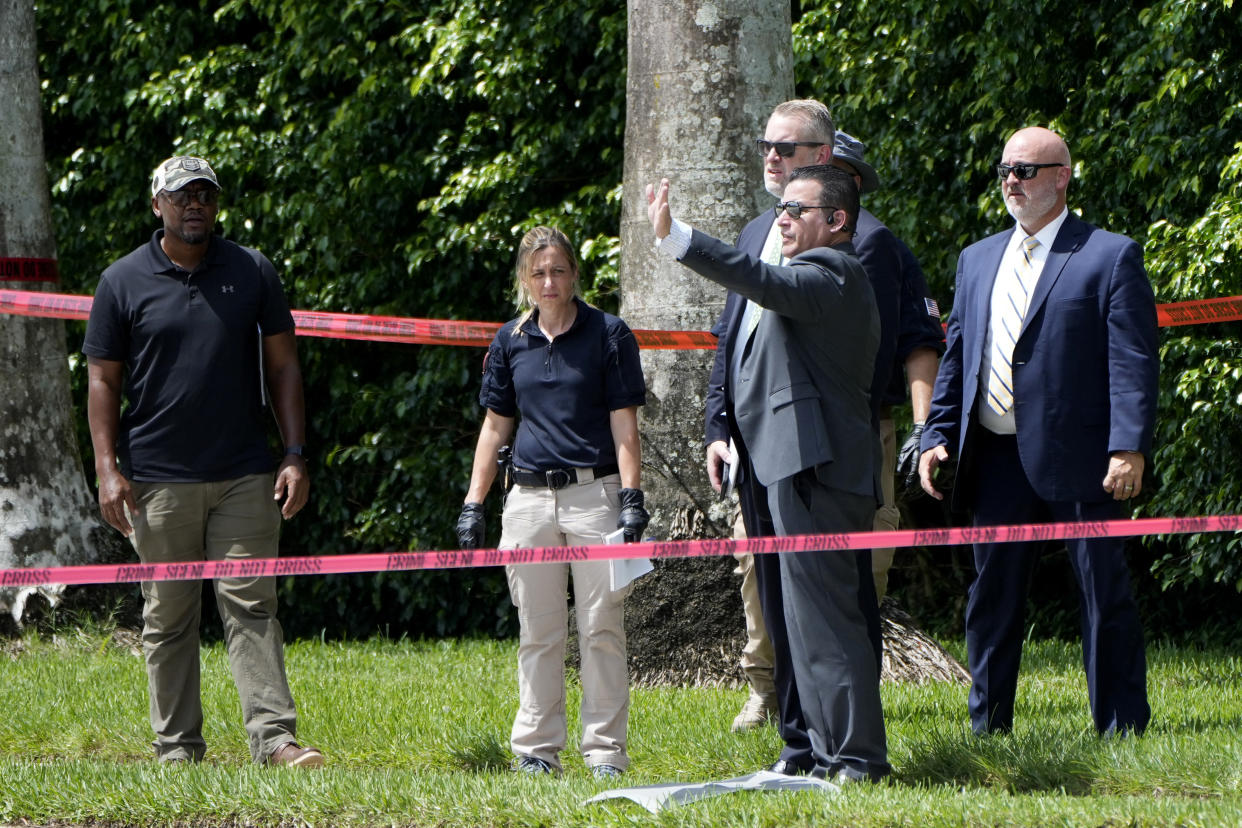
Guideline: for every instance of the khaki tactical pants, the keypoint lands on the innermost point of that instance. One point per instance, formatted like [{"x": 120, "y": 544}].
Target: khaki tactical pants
[
  {"x": 575, "y": 515},
  {"x": 225, "y": 520}
]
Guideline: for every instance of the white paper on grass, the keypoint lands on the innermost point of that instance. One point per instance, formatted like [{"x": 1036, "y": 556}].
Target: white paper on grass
[
  {"x": 657, "y": 797},
  {"x": 623, "y": 571}
]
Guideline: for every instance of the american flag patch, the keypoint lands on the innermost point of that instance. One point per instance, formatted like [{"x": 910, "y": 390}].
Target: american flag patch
[{"x": 933, "y": 310}]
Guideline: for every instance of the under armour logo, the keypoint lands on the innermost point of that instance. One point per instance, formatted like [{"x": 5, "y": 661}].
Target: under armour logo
[{"x": 227, "y": 289}]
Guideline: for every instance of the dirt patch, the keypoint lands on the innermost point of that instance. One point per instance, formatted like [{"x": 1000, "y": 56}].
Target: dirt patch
[
  {"x": 684, "y": 628},
  {"x": 684, "y": 624}
]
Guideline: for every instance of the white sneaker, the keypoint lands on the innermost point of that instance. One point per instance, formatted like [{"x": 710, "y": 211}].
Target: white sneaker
[{"x": 756, "y": 712}]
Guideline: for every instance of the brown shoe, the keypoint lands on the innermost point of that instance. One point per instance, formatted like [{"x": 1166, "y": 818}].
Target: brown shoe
[
  {"x": 756, "y": 712},
  {"x": 293, "y": 755}
]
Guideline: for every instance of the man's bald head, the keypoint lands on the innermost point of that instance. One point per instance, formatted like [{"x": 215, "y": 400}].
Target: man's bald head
[{"x": 1035, "y": 201}]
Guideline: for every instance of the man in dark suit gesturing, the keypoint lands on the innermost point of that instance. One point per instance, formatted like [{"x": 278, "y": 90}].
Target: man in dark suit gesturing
[
  {"x": 1047, "y": 397},
  {"x": 801, "y": 350}
]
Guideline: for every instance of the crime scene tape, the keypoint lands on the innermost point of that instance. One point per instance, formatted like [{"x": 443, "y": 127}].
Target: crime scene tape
[
  {"x": 459, "y": 559},
  {"x": 351, "y": 326},
  {"x": 29, "y": 270},
  {"x": 479, "y": 334},
  {"x": 1227, "y": 309}
]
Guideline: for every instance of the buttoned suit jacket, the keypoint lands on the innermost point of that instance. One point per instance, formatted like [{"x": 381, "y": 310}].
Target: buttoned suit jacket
[
  {"x": 1085, "y": 365},
  {"x": 801, "y": 399}
]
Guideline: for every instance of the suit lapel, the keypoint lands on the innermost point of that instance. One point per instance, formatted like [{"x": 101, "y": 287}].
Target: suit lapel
[
  {"x": 991, "y": 262},
  {"x": 735, "y": 306},
  {"x": 1068, "y": 241},
  {"x": 754, "y": 246}
]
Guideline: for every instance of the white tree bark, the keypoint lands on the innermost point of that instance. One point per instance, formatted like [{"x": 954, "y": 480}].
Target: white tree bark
[
  {"x": 47, "y": 515},
  {"x": 703, "y": 76}
]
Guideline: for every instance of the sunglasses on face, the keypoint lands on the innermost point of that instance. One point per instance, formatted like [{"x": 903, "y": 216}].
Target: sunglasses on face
[
  {"x": 785, "y": 149},
  {"x": 1024, "y": 172},
  {"x": 795, "y": 209},
  {"x": 181, "y": 198}
]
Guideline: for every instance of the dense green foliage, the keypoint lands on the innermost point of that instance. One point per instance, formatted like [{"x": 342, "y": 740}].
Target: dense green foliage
[
  {"x": 1148, "y": 100},
  {"x": 416, "y": 734},
  {"x": 387, "y": 156}
]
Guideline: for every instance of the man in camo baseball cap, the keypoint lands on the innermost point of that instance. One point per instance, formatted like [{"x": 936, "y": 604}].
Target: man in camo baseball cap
[{"x": 176, "y": 172}]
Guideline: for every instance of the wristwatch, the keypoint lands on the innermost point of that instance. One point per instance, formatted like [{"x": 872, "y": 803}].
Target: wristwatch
[{"x": 299, "y": 450}]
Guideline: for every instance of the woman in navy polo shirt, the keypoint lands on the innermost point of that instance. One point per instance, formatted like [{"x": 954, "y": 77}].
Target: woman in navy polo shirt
[{"x": 568, "y": 377}]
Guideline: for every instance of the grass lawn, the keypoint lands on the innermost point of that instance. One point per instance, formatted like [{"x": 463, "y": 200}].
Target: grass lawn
[{"x": 416, "y": 734}]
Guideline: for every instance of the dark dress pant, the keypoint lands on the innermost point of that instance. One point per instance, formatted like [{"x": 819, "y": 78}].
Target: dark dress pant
[
  {"x": 757, "y": 517},
  {"x": 758, "y": 520},
  {"x": 831, "y": 628},
  {"x": 1113, "y": 650}
]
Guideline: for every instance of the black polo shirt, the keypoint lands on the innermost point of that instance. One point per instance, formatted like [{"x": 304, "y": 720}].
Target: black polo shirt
[
  {"x": 565, "y": 389},
  {"x": 190, "y": 343}
]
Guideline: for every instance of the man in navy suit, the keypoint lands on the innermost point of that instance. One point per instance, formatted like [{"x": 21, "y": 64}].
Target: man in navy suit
[
  {"x": 800, "y": 358},
  {"x": 1047, "y": 397}
]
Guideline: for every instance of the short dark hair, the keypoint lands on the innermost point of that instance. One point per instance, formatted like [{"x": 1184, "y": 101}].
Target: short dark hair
[{"x": 837, "y": 187}]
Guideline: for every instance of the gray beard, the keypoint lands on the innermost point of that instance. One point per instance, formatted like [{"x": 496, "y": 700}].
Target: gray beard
[{"x": 1033, "y": 209}]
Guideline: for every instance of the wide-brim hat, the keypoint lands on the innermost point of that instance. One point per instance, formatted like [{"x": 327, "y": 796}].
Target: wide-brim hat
[{"x": 850, "y": 150}]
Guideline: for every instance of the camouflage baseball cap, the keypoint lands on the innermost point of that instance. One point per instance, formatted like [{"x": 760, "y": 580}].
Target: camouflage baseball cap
[{"x": 176, "y": 172}]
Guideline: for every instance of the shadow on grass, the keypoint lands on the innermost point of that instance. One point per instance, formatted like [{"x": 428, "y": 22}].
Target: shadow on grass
[
  {"x": 1016, "y": 763},
  {"x": 482, "y": 753}
]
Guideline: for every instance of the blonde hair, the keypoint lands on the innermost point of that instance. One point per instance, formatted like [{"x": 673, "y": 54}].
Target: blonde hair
[
  {"x": 539, "y": 238},
  {"x": 815, "y": 117}
]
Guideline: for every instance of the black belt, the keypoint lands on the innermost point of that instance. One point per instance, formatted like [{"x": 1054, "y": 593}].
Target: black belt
[{"x": 560, "y": 478}]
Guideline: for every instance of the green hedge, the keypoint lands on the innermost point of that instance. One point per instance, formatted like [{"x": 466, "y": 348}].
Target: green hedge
[{"x": 388, "y": 156}]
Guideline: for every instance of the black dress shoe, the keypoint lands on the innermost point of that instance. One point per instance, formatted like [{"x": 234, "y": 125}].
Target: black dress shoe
[{"x": 785, "y": 768}]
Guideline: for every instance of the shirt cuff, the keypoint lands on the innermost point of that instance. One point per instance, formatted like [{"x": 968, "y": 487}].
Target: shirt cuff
[{"x": 677, "y": 243}]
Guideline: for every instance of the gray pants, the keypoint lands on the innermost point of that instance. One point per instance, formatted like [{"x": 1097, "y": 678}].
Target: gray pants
[
  {"x": 834, "y": 663},
  {"x": 225, "y": 520}
]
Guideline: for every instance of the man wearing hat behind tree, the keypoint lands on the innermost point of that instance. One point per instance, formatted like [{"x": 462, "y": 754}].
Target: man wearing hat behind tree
[
  {"x": 195, "y": 331},
  {"x": 918, "y": 344}
]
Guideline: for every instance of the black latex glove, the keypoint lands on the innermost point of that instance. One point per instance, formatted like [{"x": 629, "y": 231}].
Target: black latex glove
[
  {"x": 908, "y": 461},
  {"x": 470, "y": 526},
  {"x": 633, "y": 518}
]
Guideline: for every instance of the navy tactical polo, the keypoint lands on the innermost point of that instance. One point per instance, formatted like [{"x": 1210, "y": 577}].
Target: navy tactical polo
[
  {"x": 191, "y": 348},
  {"x": 563, "y": 390}
]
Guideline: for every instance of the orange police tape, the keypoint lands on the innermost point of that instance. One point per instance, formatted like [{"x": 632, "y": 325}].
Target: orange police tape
[
  {"x": 479, "y": 334},
  {"x": 29, "y": 270},
  {"x": 399, "y": 561},
  {"x": 351, "y": 325}
]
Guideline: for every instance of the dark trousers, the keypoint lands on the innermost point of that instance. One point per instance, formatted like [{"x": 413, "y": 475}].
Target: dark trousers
[
  {"x": 1113, "y": 651},
  {"x": 754, "y": 502},
  {"x": 823, "y": 600}
]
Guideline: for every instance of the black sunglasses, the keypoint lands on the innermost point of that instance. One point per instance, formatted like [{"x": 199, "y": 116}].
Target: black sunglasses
[
  {"x": 785, "y": 149},
  {"x": 1024, "y": 172},
  {"x": 795, "y": 209},
  {"x": 181, "y": 198}
]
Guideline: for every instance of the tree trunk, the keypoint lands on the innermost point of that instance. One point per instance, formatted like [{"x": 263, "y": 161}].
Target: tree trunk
[
  {"x": 700, "y": 86},
  {"x": 702, "y": 80},
  {"x": 47, "y": 513}
]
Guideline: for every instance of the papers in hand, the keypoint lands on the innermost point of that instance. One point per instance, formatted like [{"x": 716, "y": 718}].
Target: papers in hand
[{"x": 623, "y": 571}]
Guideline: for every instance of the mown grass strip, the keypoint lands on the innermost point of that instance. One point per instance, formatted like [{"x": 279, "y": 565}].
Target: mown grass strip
[{"x": 416, "y": 734}]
